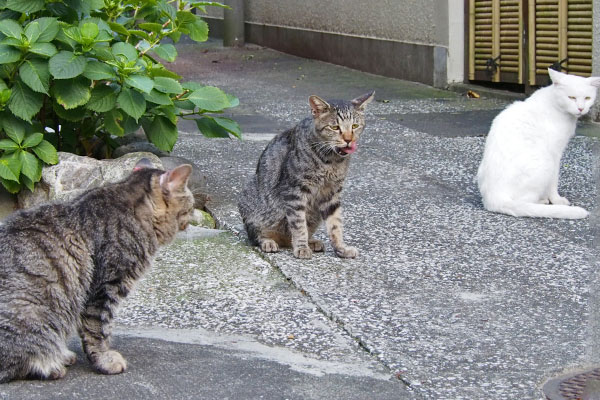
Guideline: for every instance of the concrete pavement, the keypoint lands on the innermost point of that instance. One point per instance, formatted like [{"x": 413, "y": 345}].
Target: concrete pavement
[{"x": 446, "y": 300}]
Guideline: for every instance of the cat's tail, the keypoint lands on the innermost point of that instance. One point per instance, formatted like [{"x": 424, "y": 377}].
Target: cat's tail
[{"x": 535, "y": 210}]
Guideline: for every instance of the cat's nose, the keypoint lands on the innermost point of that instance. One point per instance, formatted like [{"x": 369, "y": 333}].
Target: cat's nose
[
  {"x": 348, "y": 141},
  {"x": 580, "y": 109}
]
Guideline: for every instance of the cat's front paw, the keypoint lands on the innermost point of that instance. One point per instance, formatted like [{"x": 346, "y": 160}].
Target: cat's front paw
[
  {"x": 110, "y": 362},
  {"x": 303, "y": 252},
  {"x": 69, "y": 358},
  {"x": 269, "y": 246},
  {"x": 346, "y": 252}
]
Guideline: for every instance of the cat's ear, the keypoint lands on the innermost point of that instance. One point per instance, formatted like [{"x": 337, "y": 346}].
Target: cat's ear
[
  {"x": 555, "y": 76},
  {"x": 176, "y": 179},
  {"x": 362, "y": 101},
  {"x": 318, "y": 105},
  {"x": 594, "y": 81},
  {"x": 143, "y": 163}
]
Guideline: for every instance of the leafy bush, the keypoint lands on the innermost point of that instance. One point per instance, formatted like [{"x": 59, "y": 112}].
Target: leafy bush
[{"x": 76, "y": 74}]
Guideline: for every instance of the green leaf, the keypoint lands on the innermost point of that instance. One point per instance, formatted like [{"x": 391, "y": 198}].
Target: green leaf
[
  {"x": 191, "y": 85},
  {"x": 43, "y": 49},
  {"x": 167, "y": 10},
  {"x": 113, "y": 122},
  {"x": 230, "y": 126},
  {"x": 28, "y": 183},
  {"x": 73, "y": 33},
  {"x": 48, "y": 29},
  {"x": 11, "y": 28},
  {"x": 185, "y": 17},
  {"x": 209, "y": 98},
  {"x": 10, "y": 168},
  {"x": 159, "y": 70},
  {"x": 35, "y": 74},
  {"x": 141, "y": 82},
  {"x": 161, "y": 132},
  {"x": 32, "y": 140},
  {"x": 158, "y": 98},
  {"x": 184, "y": 105},
  {"x": 233, "y": 101},
  {"x": 89, "y": 30},
  {"x": 30, "y": 165},
  {"x": 150, "y": 26},
  {"x": 71, "y": 93},
  {"x": 25, "y": 6},
  {"x": 140, "y": 34},
  {"x": 198, "y": 30},
  {"x": 132, "y": 102},
  {"x": 9, "y": 54},
  {"x": 97, "y": 70},
  {"x": 11, "y": 186},
  {"x": 167, "y": 52},
  {"x": 167, "y": 85},
  {"x": 73, "y": 115},
  {"x": 33, "y": 31},
  {"x": 126, "y": 50},
  {"x": 66, "y": 65},
  {"x": 103, "y": 99},
  {"x": 24, "y": 102},
  {"x": 209, "y": 128},
  {"x": 120, "y": 29},
  {"x": 8, "y": 145},
  {"x": 46, "y": 152},
  {"x": 14, "y": 128}
]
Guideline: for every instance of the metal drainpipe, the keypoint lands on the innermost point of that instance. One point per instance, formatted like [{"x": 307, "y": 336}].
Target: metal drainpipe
[{"x": 233, "y": 24}]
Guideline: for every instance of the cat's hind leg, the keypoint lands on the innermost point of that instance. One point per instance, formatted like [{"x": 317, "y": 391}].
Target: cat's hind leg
[
  {"x": 316, "y": 245},
  {"x": 47, "y": 366}
]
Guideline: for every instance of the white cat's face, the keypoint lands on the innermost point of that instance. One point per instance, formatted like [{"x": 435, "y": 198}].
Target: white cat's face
[{"x": 574, "y": 94}]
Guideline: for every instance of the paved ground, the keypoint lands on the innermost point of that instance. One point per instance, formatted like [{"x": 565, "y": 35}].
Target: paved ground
[{"x": 446, "y": 300}]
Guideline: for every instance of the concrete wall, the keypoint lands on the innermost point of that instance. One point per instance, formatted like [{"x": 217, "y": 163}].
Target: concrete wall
[
  {"x": 412, "y": 21},
  {"x": 405, "y": 39}
]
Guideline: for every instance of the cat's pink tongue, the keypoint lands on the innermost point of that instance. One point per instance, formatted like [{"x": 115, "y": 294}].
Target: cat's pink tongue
[{"x": 351, "y": 149}]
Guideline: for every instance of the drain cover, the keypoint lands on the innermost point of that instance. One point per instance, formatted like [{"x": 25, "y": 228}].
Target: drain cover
[{"x": 579, "y": 386}]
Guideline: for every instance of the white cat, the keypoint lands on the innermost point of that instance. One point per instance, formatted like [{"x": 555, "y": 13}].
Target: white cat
[{"x": 519, "y": 171}]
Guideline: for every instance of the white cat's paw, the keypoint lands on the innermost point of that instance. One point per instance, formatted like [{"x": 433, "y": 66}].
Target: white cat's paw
[
  {"x": 346, "y": 252},
  {"x": 559, "y": 200}
]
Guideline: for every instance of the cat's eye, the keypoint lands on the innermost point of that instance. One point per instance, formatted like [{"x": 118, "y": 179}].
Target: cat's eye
[
  {"x": 334, "y": 127},
  {"x": 572, "y": 97},
  {"x": 354, "y": 126},
  {"x": 588, "y": 98}
]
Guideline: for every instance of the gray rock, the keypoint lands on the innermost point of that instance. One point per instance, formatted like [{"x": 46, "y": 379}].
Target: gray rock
[
  {"x": 74, "y": 174},
  {"x": 8, "y": 203},
  {"x": 136, "y": 147}
]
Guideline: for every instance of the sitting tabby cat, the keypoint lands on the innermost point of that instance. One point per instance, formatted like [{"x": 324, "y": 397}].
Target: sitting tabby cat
[
  {"x": 519, "y": 171},
  {"x": 68, "y": 265},
  {"x": 299, "y": 178}
]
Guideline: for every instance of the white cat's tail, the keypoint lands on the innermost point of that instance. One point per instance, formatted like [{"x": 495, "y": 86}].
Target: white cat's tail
[{"x": 535, "y": 210}]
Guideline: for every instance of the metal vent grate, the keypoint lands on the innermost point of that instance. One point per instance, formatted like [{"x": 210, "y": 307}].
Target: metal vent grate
[{"x": 573, "y": 387}]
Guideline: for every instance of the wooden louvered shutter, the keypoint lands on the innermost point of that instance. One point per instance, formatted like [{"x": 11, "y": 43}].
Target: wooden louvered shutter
[
  {"x": 559, "y": 30},
  {"x": 496, "y": 48}
]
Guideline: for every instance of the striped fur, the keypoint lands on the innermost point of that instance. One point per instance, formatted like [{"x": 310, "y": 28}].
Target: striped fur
[
  {"x": 66, "y": 266},
  {"x": 299, "y": 180}
]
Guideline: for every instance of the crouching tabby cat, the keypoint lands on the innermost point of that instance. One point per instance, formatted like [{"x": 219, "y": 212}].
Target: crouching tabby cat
[
  {"x": 299, "y": 178},
  {"x": 68, "y": 265}
]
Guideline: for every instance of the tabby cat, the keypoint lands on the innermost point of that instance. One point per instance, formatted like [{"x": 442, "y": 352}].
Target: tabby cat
[
  {"x": 68, "y": 265},
  {"x": 299, "y": 179}
]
